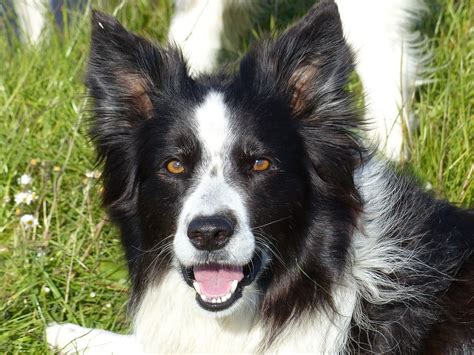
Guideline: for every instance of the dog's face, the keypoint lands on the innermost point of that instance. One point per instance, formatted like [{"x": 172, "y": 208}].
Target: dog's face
[{"x": 222, "y": 176}]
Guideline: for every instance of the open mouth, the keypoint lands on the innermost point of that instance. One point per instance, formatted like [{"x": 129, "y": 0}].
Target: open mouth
[{"x": 218, "y": 286}]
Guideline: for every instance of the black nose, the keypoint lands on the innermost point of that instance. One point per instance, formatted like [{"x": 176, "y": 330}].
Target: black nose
[{"x": 210, "y": 232}]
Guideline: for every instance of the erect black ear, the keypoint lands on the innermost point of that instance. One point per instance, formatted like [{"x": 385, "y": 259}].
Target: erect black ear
[
  {"x": 308, "y": 63},
  {"x": 125, "y": 70},
  {"x": 126, "y": 76}
]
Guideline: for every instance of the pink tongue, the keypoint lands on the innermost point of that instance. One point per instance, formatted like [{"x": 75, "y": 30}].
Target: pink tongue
[{"x": 216, "y": 280}]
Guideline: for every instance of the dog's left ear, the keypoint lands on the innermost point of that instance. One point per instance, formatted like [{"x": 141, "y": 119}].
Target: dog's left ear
[{"x": 308, "y": 63}]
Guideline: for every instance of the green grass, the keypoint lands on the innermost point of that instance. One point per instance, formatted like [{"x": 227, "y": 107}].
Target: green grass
[{"x": 69, "y": 267}]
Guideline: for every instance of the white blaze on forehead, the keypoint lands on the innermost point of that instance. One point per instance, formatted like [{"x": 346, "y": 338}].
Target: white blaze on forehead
[
  {"x": 213, "y": 124},
  {"x": 211, "y": 193}
]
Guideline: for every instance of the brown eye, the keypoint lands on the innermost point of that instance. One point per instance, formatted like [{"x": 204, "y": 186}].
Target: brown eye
[
  {"x": 261, "y": 165},
  {"x": 175, "y": 167}
]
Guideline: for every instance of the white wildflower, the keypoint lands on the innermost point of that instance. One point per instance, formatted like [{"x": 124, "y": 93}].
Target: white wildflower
[
  {"x": 25, "y": 197},
  {"x": 28, "y": 221},
  {"x": 25, "y": 180},
  {"x": 108, "y": 305},
  {"x": 92, "y": 295},
  {"x": 20, "y": 197},
  {"x": 93, "y": 174},
  {"x": 46, "y": 289}
]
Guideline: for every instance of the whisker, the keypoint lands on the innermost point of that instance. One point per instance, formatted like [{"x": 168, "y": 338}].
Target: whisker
[
  {"x": 272, "y": 222},
  {"x": 263, "y": 240},
  {"x": 155, "y": 247},
  {"x": 161, "y": 256}
]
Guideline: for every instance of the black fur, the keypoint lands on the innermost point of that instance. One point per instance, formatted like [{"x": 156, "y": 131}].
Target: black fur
[{"x": 288, "y": 102}]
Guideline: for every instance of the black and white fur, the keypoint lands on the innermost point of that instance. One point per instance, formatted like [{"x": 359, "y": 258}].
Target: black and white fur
[{"x": 345, "y": 255}]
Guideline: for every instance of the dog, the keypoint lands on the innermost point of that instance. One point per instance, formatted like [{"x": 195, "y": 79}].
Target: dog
[{"x": 253, "y": 216}]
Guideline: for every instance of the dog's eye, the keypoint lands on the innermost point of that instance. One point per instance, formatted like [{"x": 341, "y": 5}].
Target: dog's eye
[
  {"x": 261, "y": 165},
  {"x": 175, "y": 167}
]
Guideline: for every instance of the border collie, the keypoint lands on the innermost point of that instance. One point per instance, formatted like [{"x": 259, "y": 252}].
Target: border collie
[{"x": 253, "y": 217}]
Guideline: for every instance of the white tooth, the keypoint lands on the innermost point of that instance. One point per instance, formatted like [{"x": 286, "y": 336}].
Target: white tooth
[
  {"x": 214, "y": 300},
  {"x": 204, "y": 298},
  {"x": 233, "y": 287},
  {"x": 196, "y": 287},
  {"x": 226, "y": 297}
]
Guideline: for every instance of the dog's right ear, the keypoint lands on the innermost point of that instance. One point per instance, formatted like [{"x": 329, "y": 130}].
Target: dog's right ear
[{"x": 125, "y": 72}]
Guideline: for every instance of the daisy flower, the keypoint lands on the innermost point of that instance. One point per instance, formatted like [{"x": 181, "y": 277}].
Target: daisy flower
[
  {"x": 28, "y": 221},
  {"x": 25, "y": 180},
  {"x": 25, "y": 197}
]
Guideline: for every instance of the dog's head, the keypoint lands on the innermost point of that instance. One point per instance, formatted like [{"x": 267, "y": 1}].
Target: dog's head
[{"x": 242, "y": 181}]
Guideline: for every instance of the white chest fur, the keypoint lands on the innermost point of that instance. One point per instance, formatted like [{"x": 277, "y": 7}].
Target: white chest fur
[{"x": 170, "y": 321}]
